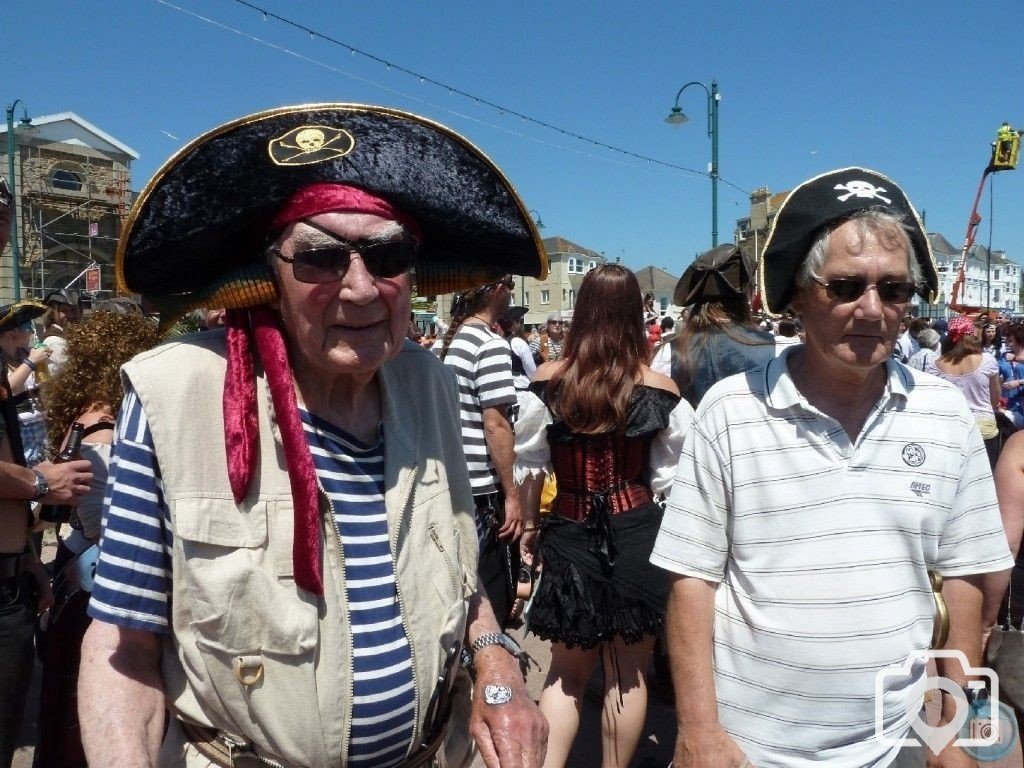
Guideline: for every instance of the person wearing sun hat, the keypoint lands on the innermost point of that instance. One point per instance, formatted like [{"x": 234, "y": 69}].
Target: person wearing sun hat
[
  {"x": 289, "y": 554},
  {"x": 814, "y": 500},
  {"x": 24, "y": 586}
]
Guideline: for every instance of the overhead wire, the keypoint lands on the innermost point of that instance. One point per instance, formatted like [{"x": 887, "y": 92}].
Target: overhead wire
[{"x": 452, "y": 90}]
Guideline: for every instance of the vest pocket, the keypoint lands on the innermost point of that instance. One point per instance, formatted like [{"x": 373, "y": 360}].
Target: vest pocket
[{"x": 236, "y": 599}]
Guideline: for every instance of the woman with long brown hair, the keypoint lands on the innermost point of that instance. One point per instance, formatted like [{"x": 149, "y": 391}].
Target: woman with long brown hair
[{"x": 610, "y": 429}]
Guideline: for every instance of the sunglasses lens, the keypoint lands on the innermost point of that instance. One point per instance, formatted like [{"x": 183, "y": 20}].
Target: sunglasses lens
[
  {"x": 390, "y": 259},
  {"x": 321, "y": 265},
  {"x": 896, "y": 292},
  {"x": 845, "y": 290}
]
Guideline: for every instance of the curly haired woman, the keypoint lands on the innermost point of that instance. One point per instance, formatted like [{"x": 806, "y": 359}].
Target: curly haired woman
[{"x": 87, "y": 390}]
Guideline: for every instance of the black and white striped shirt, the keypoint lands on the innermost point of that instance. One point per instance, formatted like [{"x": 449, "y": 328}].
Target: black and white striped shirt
[
  {"x": 482, "y": 362},
  {"x": 821, "y": 548}
]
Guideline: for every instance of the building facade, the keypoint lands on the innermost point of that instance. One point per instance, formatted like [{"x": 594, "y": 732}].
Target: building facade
[
  {"x": 72, "y": 187},
  {"x": 991, "y": 280},
  {"x": 567, "y": 264}
]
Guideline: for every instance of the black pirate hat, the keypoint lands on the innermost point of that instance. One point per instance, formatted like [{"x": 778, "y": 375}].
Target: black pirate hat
[
  {"x": 19, "y": 313},
  {"x": 721, "y": 273},
  {"x": 196, "y": 232},
  {"x": 821, "y": 202}
]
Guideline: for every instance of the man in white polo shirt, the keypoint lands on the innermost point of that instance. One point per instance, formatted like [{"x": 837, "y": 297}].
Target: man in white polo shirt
[{"x": 812, "y": 498}]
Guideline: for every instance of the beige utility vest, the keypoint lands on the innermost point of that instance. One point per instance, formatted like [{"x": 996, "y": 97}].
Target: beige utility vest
[{"x": 251, "y": 654}]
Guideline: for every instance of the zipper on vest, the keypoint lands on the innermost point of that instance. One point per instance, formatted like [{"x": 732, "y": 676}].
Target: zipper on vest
[
  {"x": 447, "y": 559},
  {"x": 418, "y": 731},
  {"x": 332, "y": 522}
]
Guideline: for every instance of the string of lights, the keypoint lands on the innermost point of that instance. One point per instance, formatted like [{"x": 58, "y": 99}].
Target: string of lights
[{"x": 428, "y": 80}]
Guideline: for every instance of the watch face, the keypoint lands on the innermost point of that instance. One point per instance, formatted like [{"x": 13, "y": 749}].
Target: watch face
[{"x": 497, "y": 694}]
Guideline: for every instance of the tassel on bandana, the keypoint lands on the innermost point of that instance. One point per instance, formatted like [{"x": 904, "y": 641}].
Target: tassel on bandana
[{"x": 259, "y": 327}]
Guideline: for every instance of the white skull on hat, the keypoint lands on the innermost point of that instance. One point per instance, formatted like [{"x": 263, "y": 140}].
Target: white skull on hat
[
  {"x": 861, "y": 188},
  {"x": 310, "y": 139}
]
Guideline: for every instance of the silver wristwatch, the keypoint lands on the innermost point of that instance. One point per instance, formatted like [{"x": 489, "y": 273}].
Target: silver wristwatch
[
  {"x": 42, "y": 487},
  {"x": 496, "y": 638}
]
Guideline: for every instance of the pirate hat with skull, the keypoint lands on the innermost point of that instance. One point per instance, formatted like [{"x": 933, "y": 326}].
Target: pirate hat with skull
[
  {"x": 824, "y": 202},
  {"x": 197, "y": 232}
]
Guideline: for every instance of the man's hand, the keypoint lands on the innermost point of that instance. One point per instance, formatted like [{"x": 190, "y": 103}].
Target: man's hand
[
  {"x": 512, "y": 527},
  {"x": 67, "y": 481},
  {"x": 43, "y": 589},
  {"x": 513, "y": 734},
  {"x": 708, "y": 747},
  {"x": 951, "y": 757}
]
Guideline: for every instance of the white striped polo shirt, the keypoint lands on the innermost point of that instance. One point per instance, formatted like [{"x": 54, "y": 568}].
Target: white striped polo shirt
[{"x": 821, "y": 548}]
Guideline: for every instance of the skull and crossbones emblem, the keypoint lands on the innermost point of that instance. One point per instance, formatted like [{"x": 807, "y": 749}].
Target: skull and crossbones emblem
[
  {"x": 861, "y": 189},
  {"x": 309, "y": 144}
]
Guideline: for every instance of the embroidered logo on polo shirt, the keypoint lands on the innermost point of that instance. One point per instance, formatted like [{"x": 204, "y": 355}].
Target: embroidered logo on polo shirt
[
  {"x": 310, "y": 144},
  {"x": 913, "y": 455},
  {"x": 861, "y": 189},
  {"x": 920, "y": 489}
]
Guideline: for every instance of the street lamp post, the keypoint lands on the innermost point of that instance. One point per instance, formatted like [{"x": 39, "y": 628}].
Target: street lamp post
[
  {"x": 676, "y": 117},
  {"x": 15, "y": 249}
]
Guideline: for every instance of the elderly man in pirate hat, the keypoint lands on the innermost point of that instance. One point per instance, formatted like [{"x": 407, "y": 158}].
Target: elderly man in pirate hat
[
  {"x": 288, "y": 561},
  {"x": 812, "y": 499},
  {"x": 24, "y": 587}
]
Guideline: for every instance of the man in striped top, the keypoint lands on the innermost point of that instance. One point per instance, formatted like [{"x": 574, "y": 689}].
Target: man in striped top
[
  {"x": 811, "y": 500},
  {"x": 482, "y": 361},
  {"x": 288, "y": 559}
]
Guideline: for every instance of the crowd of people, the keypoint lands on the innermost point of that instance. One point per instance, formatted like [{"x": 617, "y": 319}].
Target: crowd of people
[{"x": 298, "y": 536}]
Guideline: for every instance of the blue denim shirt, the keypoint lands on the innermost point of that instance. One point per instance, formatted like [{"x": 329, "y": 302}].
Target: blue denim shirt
[
  {"x": 1012, "y": 372},
  {"x": 719, "y": 353}
]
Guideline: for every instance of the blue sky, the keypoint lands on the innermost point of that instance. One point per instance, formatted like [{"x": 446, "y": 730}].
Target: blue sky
[{"x": 914, "y": 89}]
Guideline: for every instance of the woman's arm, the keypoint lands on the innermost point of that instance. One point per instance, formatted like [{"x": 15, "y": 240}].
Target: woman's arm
[
  {"x": 994, "y": 390},
  {"x": 18, "y": 376}
]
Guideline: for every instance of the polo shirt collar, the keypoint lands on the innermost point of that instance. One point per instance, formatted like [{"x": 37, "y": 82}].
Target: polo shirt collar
[{"x": 781, "y": 391}]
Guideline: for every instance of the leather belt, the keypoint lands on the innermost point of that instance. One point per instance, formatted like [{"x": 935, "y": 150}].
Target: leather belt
[
  {"x": 222, "y": 750},
  {"x": 10, "y": 566}
]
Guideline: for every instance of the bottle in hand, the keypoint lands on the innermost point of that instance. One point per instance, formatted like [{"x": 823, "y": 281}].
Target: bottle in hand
[{"x": 61, "y": 513}]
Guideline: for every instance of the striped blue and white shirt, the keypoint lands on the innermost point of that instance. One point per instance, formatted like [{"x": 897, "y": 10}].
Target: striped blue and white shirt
[{"x": 133, "y": 578}]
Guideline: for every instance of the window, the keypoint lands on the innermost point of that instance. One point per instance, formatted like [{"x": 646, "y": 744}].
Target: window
[
  {"x": 65, "y": 179},
  {"x": 575, "y": 266},
  {"x": 664, "y": 303},
  {"x": 526, "y": 299},
  {"x": 545, "y": 297},
  {"x": 563, "y": 295},
  {"x": 572, "y": 297},
  {"x": 996, "y": 275},
  {"x": 591, "y": 265}
]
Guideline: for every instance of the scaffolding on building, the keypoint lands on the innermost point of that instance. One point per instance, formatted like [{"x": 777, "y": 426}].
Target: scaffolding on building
[{"x": 74, "y": 201}]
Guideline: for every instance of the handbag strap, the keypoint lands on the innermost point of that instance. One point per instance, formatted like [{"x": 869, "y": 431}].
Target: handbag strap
[{"x": 1009, "y": 603}]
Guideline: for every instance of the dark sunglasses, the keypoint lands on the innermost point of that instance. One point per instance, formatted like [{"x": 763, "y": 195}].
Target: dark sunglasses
[
  {"x": 329, "y": 263},
  {"x": 852, "y": 288}
]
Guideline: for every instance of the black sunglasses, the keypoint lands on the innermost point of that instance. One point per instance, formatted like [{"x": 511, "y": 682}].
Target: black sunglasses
[
  {"x": 329, "y": 263},
  {"x": 852, "y": 288}
]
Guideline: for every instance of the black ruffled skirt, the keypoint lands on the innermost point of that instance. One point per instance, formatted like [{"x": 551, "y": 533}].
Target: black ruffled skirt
[{"x": 582, "y": 598}]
